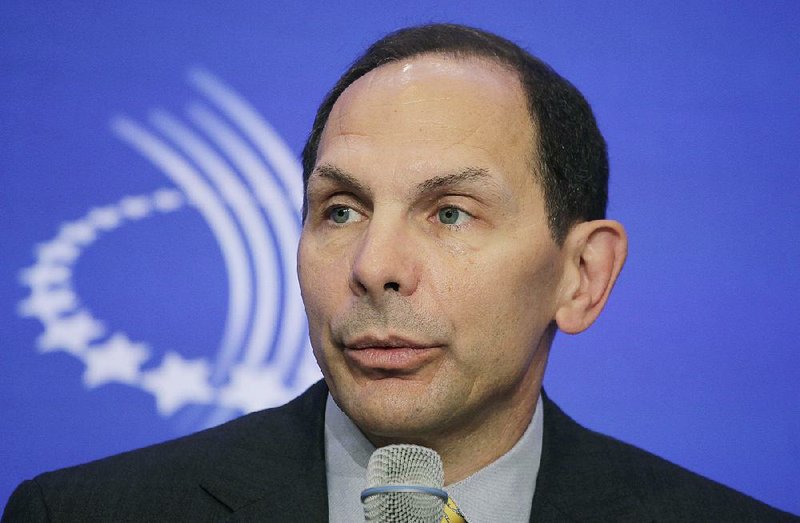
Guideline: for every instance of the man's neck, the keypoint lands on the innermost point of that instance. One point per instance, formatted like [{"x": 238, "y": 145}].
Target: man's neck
[
  {"x": 505, "y": 486},
  {"x": 480, "y": 440}
]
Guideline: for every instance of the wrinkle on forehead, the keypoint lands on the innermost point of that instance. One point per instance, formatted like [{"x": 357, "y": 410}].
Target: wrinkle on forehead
[
  {"x": 432, "y": 109},
  {"x": 432, "y": 79},
  {"x": 412, "y": 102}
]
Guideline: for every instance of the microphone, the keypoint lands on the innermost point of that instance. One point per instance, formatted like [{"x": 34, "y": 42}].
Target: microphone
[{"x": 404, "y": 484}]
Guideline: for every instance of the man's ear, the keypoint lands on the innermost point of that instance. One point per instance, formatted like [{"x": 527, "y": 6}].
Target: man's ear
[{"x": 594, "y": 253}]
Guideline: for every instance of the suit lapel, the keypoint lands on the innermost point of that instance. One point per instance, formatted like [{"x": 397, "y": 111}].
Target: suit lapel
[
  {"x": 577, "y": 479},
  {"x": 276, "y": 472}
]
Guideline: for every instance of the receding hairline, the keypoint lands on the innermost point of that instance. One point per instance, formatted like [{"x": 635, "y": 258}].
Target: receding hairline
[
  {"x": 569, "y": 158},
  {"x": 498, "y": 64}
]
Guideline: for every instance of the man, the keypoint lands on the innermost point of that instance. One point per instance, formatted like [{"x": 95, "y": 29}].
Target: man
[{"x": 454, "y": 220}]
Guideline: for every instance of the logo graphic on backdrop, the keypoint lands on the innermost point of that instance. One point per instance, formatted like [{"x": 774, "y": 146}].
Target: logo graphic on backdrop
[{"x": 224, "y": 160}]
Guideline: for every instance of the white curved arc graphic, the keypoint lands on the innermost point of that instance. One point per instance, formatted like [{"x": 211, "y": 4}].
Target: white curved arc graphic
[
  {"x": 246, "y": 184},
  {"x": 257, "y": 129},
  {"x": 234, "y": 192},
  {"x": 220, "y": 223},
  {"x": 282, "y": 214}
]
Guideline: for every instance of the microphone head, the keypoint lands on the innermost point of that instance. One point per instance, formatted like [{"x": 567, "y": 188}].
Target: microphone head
[{"x": 409, "y": 465}]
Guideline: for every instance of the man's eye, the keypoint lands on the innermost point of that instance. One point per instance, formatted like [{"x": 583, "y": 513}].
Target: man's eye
[
  {"x": 341, "y": 215},
  {"x": 452, "y": 216}
]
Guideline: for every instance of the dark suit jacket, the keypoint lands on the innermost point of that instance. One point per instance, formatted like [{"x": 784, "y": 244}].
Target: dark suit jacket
[{"x": 270, "y": 466}]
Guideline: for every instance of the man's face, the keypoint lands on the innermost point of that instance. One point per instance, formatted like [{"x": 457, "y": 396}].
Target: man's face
[{"x": 427, "y": 269}]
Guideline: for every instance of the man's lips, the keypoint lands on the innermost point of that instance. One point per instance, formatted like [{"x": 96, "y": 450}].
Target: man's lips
[{"x": 395, "y": 355}]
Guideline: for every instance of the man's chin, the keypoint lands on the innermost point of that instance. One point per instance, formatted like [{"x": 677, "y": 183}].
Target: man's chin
[
  {"x": 391, "y": 410},
  {"x": 395, "y": 429}
]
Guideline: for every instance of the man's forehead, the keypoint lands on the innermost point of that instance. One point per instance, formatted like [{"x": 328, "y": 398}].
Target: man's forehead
[
  {"x": 471, "y": 69},
  {"x": 460, "y": 177},
  {"x": 433, "y": 82},
  {"x": 431, "y": 113}
]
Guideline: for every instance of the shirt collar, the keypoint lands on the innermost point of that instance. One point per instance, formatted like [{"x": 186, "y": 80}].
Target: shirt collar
[{"x": 501, "y": 491}]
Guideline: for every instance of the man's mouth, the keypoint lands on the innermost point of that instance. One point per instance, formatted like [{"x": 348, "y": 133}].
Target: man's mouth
[{"x": 391, "y": 354}]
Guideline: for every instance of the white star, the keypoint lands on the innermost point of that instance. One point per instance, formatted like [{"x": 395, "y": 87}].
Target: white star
[
  {"x": 47, "y": 303},
  {"x": 135, "y": 207},
  {"x": 253, "y": 388},
  {"x": 71, "y": 333},
  {"x": 118, "y": 359},
  {"x": 166, "y": 200},
  {"x": 44, "y": 274},
  {"x": 77, "y": 233},
  {"x": 178, "y": 382},
  {"x": 57, "y": 251},
  {"x": 105, "y": 218}
]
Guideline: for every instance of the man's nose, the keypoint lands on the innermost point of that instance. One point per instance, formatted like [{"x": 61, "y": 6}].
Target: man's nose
[{"x": 385, "y": 260}]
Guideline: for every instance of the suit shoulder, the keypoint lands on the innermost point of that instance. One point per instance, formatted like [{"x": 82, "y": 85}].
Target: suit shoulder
[
  {"x": 662, "y": 489},
  {"x": 169, "y": 475},
  {"x": 177, "y": 455},
  {"x": 267, "y": 428}
]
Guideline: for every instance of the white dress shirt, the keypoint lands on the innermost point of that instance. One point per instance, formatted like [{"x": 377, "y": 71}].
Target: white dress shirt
[{"x": 501, "y": 491}]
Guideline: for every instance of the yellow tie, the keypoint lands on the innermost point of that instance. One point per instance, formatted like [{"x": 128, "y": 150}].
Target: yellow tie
[{"x": 452, "y": 514}]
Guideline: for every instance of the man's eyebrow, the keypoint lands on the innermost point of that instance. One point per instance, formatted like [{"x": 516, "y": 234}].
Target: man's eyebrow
[
  {"x": 346, "y": 179},
  {"x": 467, "y": 174},
  {"x": 339, "y": 176}
]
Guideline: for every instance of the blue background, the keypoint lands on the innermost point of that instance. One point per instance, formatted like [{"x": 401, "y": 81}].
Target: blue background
[{"x": 696, "y": 355}]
